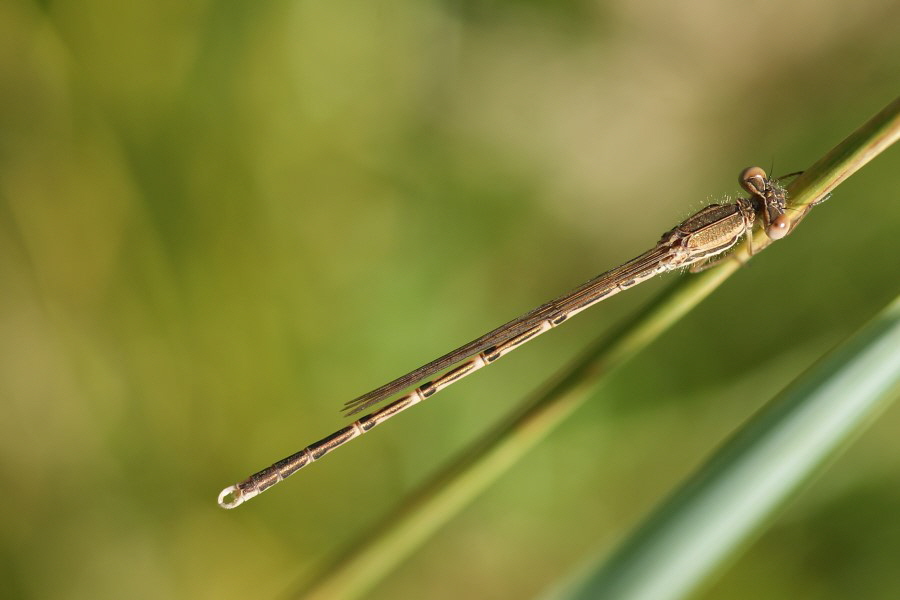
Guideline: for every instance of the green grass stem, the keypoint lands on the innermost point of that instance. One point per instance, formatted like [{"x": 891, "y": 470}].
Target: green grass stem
[{"x": 738, "y": 491}]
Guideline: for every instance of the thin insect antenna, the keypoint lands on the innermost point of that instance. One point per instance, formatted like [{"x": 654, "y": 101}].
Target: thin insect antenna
[{"x": 781, "y": 178}]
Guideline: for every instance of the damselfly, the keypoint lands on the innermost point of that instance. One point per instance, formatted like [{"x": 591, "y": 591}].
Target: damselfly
[{"x": 695, "y": 243}]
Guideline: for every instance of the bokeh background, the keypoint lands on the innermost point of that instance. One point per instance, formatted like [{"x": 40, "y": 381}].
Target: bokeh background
[{"x": 219, "y": 221}]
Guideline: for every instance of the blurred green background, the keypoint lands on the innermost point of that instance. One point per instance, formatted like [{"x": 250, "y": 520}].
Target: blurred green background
[{"x": 219, "y": 221}]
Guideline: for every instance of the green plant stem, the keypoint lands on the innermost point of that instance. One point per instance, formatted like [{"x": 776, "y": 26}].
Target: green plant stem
[
  {"x": 742, "y": 485},
  {"x": 425, "y": 511}
]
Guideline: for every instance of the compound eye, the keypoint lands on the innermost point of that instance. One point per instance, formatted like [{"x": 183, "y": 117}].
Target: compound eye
[
  {"x": 778, "y": 228},
  {"x": 753, "y": 180}
]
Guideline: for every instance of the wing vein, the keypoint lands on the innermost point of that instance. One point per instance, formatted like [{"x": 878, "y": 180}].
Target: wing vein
[{"x": 579, "y": 297}]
